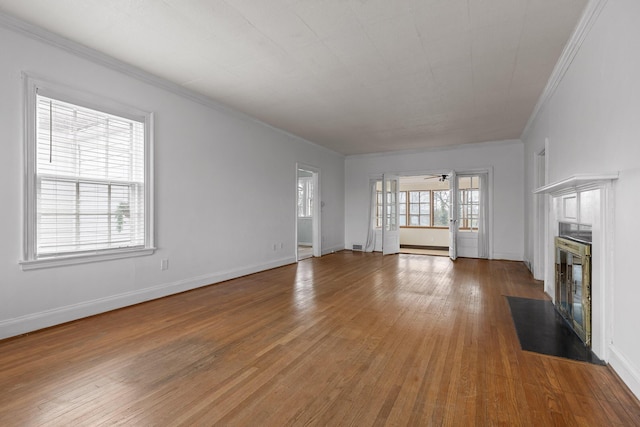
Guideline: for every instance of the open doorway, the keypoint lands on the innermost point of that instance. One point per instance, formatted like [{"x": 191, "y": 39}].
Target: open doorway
[
  {"x": 423, "y": 214},
  {"x": 444, "y": 214},
  {"x": 307, "y": 212}
]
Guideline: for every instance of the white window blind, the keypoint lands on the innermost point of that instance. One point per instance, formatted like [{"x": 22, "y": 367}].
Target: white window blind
[
  {"x": 305, "y": 196},
  {"x": 89, "y": 179}
]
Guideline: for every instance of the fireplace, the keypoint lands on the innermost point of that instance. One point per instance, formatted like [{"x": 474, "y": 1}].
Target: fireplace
[
  {"x": 573, "y": 202},
  {"x": 573, "y": 277}
]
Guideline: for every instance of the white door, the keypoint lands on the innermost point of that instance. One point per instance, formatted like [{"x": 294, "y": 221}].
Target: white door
[
  {"x": 453, "y": 216},
  {"x": 390, "y": 229}
]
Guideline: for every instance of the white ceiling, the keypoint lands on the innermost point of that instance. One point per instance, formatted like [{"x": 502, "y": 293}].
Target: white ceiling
[{"x": 357, "y": 76}]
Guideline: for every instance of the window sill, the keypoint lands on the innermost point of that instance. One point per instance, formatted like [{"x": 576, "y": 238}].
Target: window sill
[{"x": 84, "y": 258}]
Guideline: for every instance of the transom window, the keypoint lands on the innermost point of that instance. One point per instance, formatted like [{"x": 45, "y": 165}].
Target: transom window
[{"x": 88, "y": 186}]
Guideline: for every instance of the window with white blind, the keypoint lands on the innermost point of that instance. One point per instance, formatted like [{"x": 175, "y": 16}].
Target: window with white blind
[
  {"x": 88, "y": 179},
  {"x": 305, "y": 197}
]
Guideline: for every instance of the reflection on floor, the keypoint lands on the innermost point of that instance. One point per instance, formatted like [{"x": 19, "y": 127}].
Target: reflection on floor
[
  {"x": 436, "y": 252},
  {"x": 304, "y": 252}
]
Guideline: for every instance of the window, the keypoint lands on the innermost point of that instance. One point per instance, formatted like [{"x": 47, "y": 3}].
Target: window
[
  {"x": 88, "y": 180},
  {"x": 419, "y": 208},
  {"x": 441, "y": 207},
  {"x": 469, "y": 202},
  {"x": 424, "y": 208},
  {"x": 305, "y": 196}
]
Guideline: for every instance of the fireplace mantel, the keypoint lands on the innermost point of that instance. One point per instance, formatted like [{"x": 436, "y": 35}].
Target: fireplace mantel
[{"x": 576, "y": 183}]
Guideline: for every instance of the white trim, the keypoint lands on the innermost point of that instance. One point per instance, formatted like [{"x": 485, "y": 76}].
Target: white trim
[
  {"x": 316, "y": 232},
  {"x": 508, "y": 256},
  {"x": 333, "y": 249},
  {"x": 587, "y": 20},
  {"x": 84, "y": 258},
  {"x": 40, "y": 34},
  {"x": 455, "y": 147},
  {"x": 629, "y": 373},
  {"x": 56, "y": 316},
  {"x": 540, "y": 214},
  {"x": 576, "y": 183}
]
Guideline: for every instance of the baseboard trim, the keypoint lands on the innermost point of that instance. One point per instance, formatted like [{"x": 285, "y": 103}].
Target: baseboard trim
[
  {"x": 44, "y": 319},
  {"x": 337, "y": 248},
  {"x": 627, "y": 372},
  {"x": 508, "y": 256}
]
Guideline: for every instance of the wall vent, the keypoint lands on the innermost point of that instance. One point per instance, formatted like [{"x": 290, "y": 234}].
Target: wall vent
[{"x": 357, "y": 247}]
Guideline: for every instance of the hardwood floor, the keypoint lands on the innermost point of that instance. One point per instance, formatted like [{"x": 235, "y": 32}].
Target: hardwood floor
[{"x": 346, "y": 339}]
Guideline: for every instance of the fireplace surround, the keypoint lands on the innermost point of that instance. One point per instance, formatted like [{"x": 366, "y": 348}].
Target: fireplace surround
[{"x": 583, "y": 201}]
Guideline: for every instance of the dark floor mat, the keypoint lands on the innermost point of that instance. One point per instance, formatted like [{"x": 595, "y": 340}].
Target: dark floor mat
[{"x": 542, "y": 329}]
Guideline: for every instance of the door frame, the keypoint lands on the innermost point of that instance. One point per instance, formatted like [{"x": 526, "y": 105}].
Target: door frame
[
  {"x": 316, "y": 219},
  {"x": 446, "y": 171},
  {"x": 464, "y": 172},
  {"x": 489, "y": 200},
  {"x": 541, "y": 212},
  {"x": 453, "y": 215},
  {"x": 400, "y": 175}
]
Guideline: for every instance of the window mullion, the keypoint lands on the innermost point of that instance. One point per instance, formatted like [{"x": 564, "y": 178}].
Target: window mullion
[
  {"x": 109, "y": 213},
  {"x": 77, "y": 212},
  {"x": 431, "y": 204},
  {"x": 106, "y": 148}
]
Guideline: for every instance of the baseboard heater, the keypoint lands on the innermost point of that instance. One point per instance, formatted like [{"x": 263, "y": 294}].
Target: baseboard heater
[{"x": 433, "y": 248}]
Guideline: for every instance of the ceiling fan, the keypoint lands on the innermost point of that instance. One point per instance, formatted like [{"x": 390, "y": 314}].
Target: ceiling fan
[{"x": 440, "y": 178}]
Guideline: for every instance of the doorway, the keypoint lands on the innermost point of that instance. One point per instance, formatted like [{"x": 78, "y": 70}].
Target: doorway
[
  {"x": 308, "y": 206},
  {"x": 541, "y": 216},
  {"x": 446, "y": 214},
  {"x": 424, "y": 206}
]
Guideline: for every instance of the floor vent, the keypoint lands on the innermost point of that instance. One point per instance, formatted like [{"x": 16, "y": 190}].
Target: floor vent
[{"x": 357, "y": 247}]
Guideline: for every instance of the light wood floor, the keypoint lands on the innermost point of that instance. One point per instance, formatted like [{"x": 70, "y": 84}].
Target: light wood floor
[{"x": 346, "y": 339}]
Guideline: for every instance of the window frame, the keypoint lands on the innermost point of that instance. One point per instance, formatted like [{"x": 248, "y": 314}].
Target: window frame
[
  {"x": 407, "y": 213},
  {"x": 32, "y": 86}
]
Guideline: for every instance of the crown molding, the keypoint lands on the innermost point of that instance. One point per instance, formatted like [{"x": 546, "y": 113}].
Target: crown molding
[
  {"x": 454, "y": 147},
  {"x": 40, "y": 34},
  {"x": 587, "y": 20}
]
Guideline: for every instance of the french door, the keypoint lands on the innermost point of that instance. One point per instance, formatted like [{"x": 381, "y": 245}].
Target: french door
[
  {"x": 390, "y": 228},
  {"x": 453, "y": 216}
]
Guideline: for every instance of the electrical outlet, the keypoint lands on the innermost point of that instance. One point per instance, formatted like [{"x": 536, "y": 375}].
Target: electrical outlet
[
  {"x": 275, "y": 247},
  {"x": 164, "y": 264},
  {"x": 281, "y": 245}
]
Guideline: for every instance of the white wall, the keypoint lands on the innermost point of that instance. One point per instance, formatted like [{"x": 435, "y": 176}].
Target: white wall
[
  {"x": 505, "y": 159},
  {"x": 424, "y": 236},
  {"x": 225, "y": 194},
  {"x": 593, "y": 125}
]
